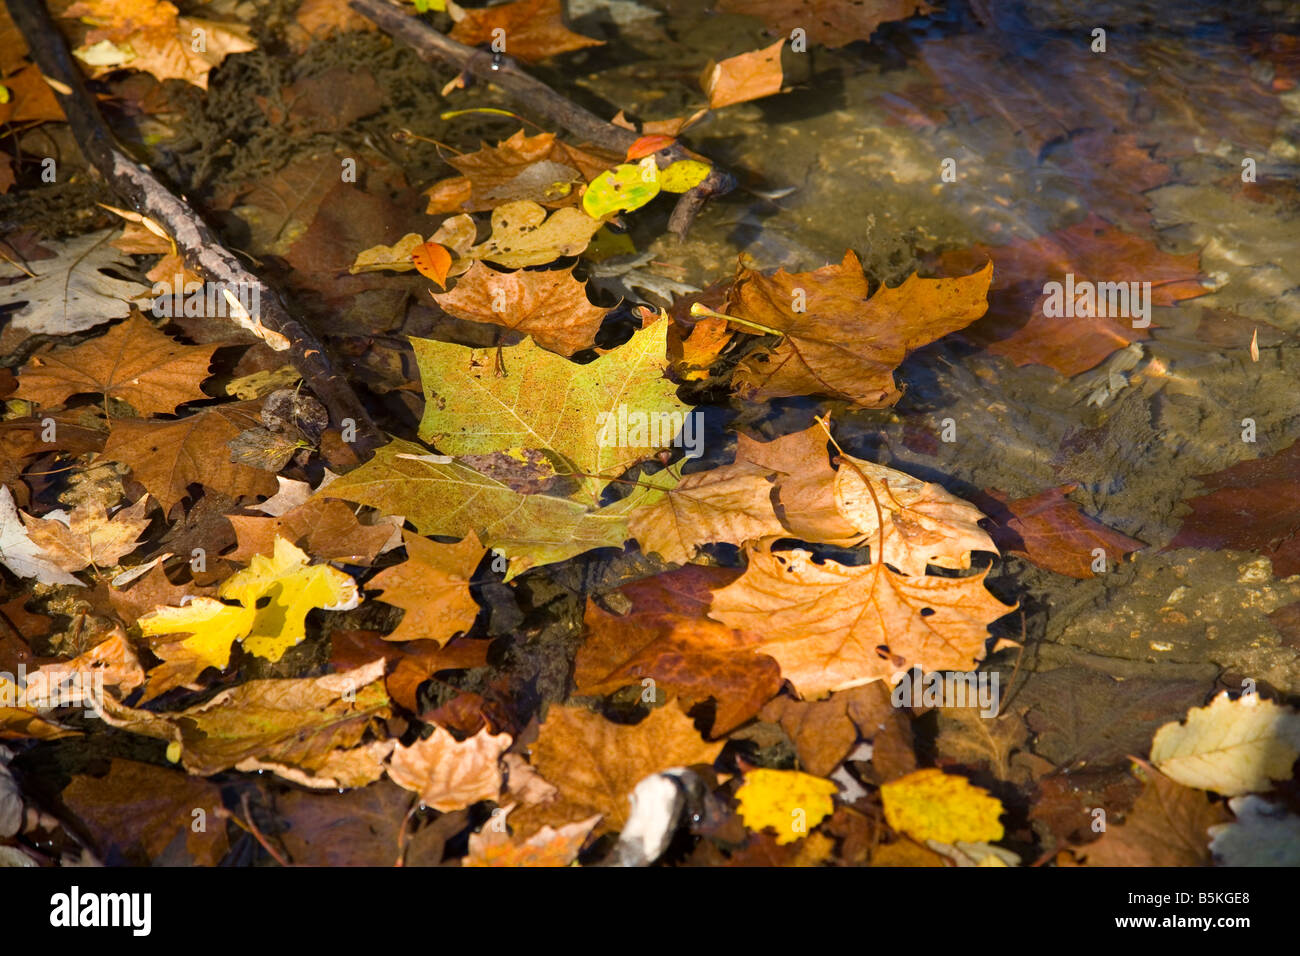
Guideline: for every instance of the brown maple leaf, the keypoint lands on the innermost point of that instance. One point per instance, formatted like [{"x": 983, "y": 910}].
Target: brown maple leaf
[
  {"x": 551, "y": 306},
  {"x": 133, "y": 362},
  {"x": 832, "y": 23},
  {"x": 839, "y": 341},
  {"x": 1166, "y": 827},
  {"x": 534, "y": 29},
  {"x": 1250, "y": 506},
  {"x": 432, "y": 587},
  {"x": 493, "y": 845},
  {"x": 1093, "y": 251},
  {"x": 596, "y": 763},
  {"x": 1049, "y": 530},
  {"x": 167, "y": 457},
  {"x": 90, "y": 536},
  {"x": 832, "y": 626},
  {"x": 665, "y": 636}
]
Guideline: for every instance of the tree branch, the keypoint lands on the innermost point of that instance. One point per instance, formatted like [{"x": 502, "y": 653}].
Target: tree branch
[
  {"x": 149, "y": 196},
  {"x": 538, "y": 98}
]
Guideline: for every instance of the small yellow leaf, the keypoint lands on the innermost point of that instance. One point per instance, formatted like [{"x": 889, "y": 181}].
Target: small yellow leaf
[
  {"x": 932, "y": 805},
  {"x": 394, "y": 258},
  {"x": 626, "y": 187},
  {"x": 788, "y": 801},
  {"x": 683, "y": 175}
]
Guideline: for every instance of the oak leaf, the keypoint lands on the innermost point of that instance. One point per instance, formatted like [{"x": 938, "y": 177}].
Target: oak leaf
[
  {"x": 838, "y": 340},
  {"x": 832, "y": 626},
  {"x": 534, "y": 29},
  {"x": 432, "y": 587},
  {"x": 596, "y": 764},
  {"x": 550, "y": 306},
  {"x": 168, "y": 456},
  {"x": 447, "y": 774}
]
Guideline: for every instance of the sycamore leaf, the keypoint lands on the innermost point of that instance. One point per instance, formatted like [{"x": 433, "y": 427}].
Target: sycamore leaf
[
  {"x": 88, "y": 535},
  {"x": 664, "y": 635},
  {"x": 789, "y": 802},
  {"x": 838, "y": 340},
  {"x": 432, "y": 587},
  {"x": 307, "y": 730},
  {"x": 534, "y": 29},
  {"x": 522, "y": 235},
  {"x": 550, "y": 306},
  {"x": 599, "y": 419},
  {"x": 274, "y": 595},
  {"x": 166, "y": 457},
  {"x": 449, "y": 774},
  {"x": 831, "y": 626},
  {"x": 1230, "y": 746},
  {"x": 749, "y": 76},
  {"x": 448, "y": 498},
  {"x": 492, "y": 845},
  {"x": 133, "y": 362},
  {"x": 596, "y": 764},
  {"x": 20, "y": 554},
  {"x": 932, "y": 805}
]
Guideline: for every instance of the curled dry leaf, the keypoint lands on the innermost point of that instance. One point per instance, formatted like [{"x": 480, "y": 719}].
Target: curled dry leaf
[{"x": 749, "y": 76}]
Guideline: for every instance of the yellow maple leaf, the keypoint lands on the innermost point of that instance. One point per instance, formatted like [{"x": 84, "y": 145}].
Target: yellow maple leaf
[
  {"x": 933, "y": 805},
  {"x": 786, "y": 800},
  {"x": 293, "y": 587}
]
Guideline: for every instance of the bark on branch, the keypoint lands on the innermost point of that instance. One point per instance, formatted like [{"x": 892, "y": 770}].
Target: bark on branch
[
  {"x": 537, "y": 98},
  {"x": 145, "y": 193}
]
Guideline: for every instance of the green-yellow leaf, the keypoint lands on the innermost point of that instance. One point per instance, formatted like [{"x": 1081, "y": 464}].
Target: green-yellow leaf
[
  {"x": 625, "y": 187},
  {"x": 683, "y": 175}
]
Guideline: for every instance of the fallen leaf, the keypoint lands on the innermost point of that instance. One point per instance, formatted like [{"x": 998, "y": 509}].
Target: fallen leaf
[
  {"x": 932, "y": 805},
  {"x": 1249, "y": 506},
  {"x": 523, "y": 235},
  {"x": 788, "y": 801},
  {"x": 1050, "y": 531},
  {"x": 1230, "y": 746},
  {"x": 837, "y": 340},
  {"x": 432, "y": 587},
  {"x": 450, "y": 775},
  {"x": 20, "y": 554},
  {"x": 493, "y": 845},
  {"x": 533, "y": 29},
  {"x": 136, "y": 812},
  {"x": 548, "y": 403},
  {"x": 1263, "y": 834},
  {"x": 832, "y": 626},
  {"x": 749, "y": 76},
  {"x": 90, "y": 536},
  {"x": 550, "y": 306},
  {"x": 433, "y": 262},
  {"x": 1166, "y": 827},
  {"x": 665, "y": 637},
  {"x": 596, "y": 764},
  {"x": 168, "y": 456},
  {"x": 326, "y": 528},
  {"x": 394, "y": 258},
  {"x": 297, "y": 729}
]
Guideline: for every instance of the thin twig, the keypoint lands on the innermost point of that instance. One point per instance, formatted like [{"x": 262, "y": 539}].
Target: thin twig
[{"x": 144, "y": 192}]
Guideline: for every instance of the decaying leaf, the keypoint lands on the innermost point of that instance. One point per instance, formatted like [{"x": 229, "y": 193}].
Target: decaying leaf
[{"x": 523, "y": 235}]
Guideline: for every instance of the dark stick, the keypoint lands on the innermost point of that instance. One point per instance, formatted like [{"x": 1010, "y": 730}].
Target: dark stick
[
  {"x": 536, "y": 97},
  {"x": 147, "y": 195}
]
